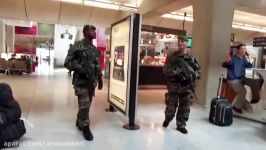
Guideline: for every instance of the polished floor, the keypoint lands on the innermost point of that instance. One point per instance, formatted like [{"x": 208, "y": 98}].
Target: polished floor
[{"x": 49, "y": 108}]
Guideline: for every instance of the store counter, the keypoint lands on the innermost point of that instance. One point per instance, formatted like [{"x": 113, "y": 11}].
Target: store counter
[{"x": 151, "y": 76}]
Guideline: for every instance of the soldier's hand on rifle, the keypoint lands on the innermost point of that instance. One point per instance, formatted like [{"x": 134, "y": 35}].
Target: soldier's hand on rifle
[
  {"x": 184, "y": 78},
  {"x": 100, "y": 83},
  {"x": 180, "y": 76},
  {"x": 80, "y": 70}
]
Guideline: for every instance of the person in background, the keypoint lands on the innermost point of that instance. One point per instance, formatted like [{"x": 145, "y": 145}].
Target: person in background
[
  {"x": 236, "y": 65},
  {"x": 13, "y": 57},
  {"x": 70, "y": 48},
  {"x": 28, "y": 63},
  {"x": 69, "y": 72}
]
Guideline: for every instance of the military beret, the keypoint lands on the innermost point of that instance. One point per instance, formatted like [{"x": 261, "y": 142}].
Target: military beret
[
  {"x": 183, "y": 37},
  {"x": 87, "y": 27}
]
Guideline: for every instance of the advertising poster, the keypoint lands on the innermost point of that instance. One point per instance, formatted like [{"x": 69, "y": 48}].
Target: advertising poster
[{"x": 119, "y": 64}]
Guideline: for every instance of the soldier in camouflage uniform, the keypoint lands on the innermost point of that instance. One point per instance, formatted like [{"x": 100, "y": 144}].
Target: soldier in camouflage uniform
[
  {"x": 181, "y": 70},
  {"x": 83, "y": 59}
]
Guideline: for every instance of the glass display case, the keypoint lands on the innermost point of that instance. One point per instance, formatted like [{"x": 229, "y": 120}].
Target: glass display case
[
  {"x": 156, "y": 60},
  {"x": 155, "y": 46}
]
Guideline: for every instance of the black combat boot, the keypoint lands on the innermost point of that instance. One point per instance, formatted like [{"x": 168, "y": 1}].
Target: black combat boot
[
  {"x": 182, "y": 130},
  {"x": 87, "y": 133},
  {"x": 78, "y": 126},
  {"x": 165, "y": 124}
]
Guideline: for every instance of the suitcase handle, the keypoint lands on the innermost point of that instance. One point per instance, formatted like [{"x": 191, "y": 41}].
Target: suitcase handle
[{"x": 220, "y": 86}]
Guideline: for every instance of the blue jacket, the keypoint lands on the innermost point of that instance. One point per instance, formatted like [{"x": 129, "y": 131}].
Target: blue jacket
[{"x": 236, "y": 67}]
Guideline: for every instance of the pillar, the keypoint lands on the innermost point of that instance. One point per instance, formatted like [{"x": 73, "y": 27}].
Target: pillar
[
  {"x": 212, "y": 27},
  {"x": 10, "y": 38},
  {"x": 2, "y": 36}
]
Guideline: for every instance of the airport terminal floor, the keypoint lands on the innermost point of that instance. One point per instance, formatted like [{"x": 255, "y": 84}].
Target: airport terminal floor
[{"x": 49, "y": 108}]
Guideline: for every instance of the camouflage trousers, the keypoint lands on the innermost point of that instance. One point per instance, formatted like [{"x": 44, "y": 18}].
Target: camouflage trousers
[
  {"x": 85, "y": 96},
  {"x": 177, "y": 102}
]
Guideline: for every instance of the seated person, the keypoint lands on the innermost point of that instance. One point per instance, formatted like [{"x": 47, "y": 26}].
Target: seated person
[
  {"x": 11, "y": 127},
  {"x": 236, "y": 65}
]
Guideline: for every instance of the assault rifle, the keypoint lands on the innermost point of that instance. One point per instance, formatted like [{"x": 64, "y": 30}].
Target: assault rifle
[{"x": 89, "y": 72}]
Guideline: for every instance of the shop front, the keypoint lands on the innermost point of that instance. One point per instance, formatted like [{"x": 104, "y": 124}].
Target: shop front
[{"x": 155, "y": 44}]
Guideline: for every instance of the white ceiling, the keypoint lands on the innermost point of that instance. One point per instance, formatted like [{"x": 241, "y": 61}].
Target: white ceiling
[
  {"x": 239, "y": 16},
  {"x": 56, "y": 12},
  {"x": 252, "y": 6},
  {"x": 59, "y": 12}
]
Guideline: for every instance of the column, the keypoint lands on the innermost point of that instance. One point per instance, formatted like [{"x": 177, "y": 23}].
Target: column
[
  {"x": 2, "y": 36},
  {"x": 212, "y": 27},
  {"x": 10, "y": 38}
]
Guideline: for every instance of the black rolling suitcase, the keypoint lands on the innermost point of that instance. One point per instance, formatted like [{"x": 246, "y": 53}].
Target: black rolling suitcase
[{"x": 221, "y": 112}]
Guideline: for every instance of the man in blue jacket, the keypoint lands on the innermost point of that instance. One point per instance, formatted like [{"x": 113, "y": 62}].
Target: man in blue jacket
[{"x": 236, "y": 66}]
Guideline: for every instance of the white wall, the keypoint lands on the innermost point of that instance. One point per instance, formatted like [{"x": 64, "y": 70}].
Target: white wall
[
  {"x": 2, "y": 36},
  {"x": 61, "y": 46},
  {"x": 254, "y": 53},
  {"x": 10, "y": 38},
  {"x": 20, "y": 23}
]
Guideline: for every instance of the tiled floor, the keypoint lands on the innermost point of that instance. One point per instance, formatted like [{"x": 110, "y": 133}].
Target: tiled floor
[{"x": 49, "y": 106}]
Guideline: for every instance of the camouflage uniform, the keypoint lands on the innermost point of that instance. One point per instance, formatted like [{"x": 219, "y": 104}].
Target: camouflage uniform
[
  {"x": 179, "y": 95},
  {"x": 78, "y": 55}
]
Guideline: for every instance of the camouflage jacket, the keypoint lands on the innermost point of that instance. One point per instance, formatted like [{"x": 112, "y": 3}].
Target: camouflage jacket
[
  {"x": 174, "y": 65},
  {"x": 78, "y": 55}
]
